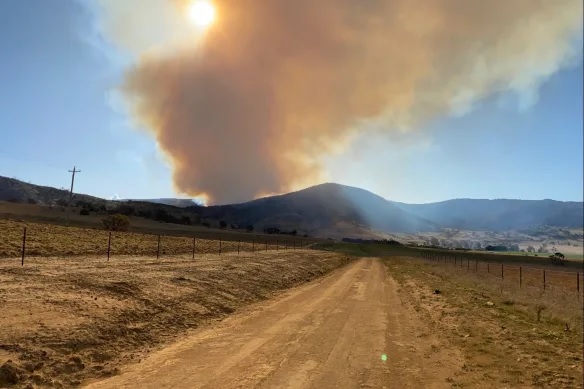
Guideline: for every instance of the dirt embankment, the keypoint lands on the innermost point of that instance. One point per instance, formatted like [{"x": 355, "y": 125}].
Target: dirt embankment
[{"x": 65, "y": 321}]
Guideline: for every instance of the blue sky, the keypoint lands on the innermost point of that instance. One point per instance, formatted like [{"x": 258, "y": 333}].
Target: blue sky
[{"x": 58, "y": 109}]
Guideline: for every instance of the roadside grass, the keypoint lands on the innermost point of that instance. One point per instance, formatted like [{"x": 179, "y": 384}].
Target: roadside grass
[{"x": 510, "y": 336}]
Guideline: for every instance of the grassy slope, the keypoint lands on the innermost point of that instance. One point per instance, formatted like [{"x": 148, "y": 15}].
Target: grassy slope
[{"x": 65, "y": 321}]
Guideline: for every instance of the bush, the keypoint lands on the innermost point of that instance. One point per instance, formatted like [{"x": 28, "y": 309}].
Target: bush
[
  {"x": 222, "y": 224},
  {"x": 116, "y": 222},
  {"x": 84, "y": 212}
]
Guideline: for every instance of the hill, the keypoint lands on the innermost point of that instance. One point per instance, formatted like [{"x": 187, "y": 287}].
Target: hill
[
  {"x": 326, "y": 210},
  {"x": 323, "y": 207},
  {"x": 499, "y": 215},
  {"x": 16, "y": 191}
]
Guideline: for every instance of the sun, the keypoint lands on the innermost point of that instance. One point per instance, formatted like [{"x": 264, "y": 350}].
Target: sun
[{"x": 201, "y": 13}]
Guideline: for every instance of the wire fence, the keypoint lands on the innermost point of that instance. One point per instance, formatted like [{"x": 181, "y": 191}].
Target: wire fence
[
  {"x": 42, "y": 242},
  {"x": 522, "y": 276}
]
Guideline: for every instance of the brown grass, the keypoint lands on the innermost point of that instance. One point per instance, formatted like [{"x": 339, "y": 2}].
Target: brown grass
[
  {"x": 66, "y": 321},
  {"x": 556, "y": 281},
  {"x": 43, "y": 240},
  {"x": 511, "y": 337}
]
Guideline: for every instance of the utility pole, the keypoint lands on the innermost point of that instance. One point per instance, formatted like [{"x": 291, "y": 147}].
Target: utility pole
[{"x": 71, "y": 191}]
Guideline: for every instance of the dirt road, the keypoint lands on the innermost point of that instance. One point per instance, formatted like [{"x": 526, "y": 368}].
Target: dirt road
[{"x": 347, "y": 330}]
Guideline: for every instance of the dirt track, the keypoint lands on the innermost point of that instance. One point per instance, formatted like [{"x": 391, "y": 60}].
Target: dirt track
[{"x": 333, "y": 332}]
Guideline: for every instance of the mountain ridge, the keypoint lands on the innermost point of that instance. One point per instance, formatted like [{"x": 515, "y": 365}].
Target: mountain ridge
[{"x": 328, "y": 206}]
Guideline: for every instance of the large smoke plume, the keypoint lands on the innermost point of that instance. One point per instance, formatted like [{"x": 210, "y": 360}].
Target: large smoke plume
[{"x": 251, "y": 105}]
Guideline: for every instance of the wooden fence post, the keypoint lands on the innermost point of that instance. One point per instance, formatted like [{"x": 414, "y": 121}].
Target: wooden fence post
[
  {"x": 544, "y": 279},
  {"x": 220, "y": 246},
  {"x": 266, "y": 245},
  {"x": 109, "y": 245},
  {"x": 468, "y": 265},
  {"x": 238, "y": 247},
  {"x": 194, "y": 247},
  {"x": 520, "y": 276},
  {"x": 158, "y": 248},
  {"x": 502, "y": 277},
  {"x": 488, "y": 268},
  {"x": 578, "y": 283},
  {"x": 253, "y": 246},
  {"x": 23, "y": 246},
  {"x": 277, "y": 244}
]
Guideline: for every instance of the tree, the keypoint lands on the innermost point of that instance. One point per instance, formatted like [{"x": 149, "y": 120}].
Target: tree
[
  {"x": 249, "y": 228},
  {"x": 222, "y": 224},
  {"x": 530, "y": 249},
  {"x": 434, "y": 241},
  {"x": 116, "y": 222}
]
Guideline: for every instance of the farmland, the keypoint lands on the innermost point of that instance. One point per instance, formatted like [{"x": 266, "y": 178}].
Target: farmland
[{"x": 54, "y": 240}]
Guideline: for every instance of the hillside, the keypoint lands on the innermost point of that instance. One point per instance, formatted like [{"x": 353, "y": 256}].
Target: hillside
[
  {"x": 320, "y": 207},
  {"x": 17, "y": 191},
  {"x": 326, "y": 210},
  {"x": 499, "y": 215}
]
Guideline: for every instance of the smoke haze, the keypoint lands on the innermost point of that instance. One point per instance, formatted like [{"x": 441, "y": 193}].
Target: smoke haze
[{"x": 253, "y": 104}]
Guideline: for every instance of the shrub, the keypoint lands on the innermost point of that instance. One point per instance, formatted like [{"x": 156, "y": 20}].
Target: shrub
[
  {"x": 116, "y": 222},
  {"x": 222, "y": 224},
  {"x": 84, "y": 212}
]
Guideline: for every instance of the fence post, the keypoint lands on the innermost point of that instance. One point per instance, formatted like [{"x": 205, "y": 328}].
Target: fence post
[
  {"x": 238, "y": 247},
  {"x": 158, "y": 248},
  {"x": 277, "y": 244},
  {"x": 23, "y": 246},
  {"x": 520, "y": 276},
  {"x": 502, "y": 277},
  {"x": 253, "y": 246},
  {"x": 194, "y": 246},
  {"x": 467, "y": 265},
  {"x": 477, "y": 266},
  {"x": 219, "y": 246},
  {"x": 294, "y": 245},
  {"x": 109, "y": 245},
  {"x": 488, "y": 268},
  {"x": 544, "y": 279},
  {"x": 266, "y": 245},
  {"x": 578, "y": 283}
]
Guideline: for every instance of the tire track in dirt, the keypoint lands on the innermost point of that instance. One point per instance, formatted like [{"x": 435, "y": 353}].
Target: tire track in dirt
[{"x": 329, "y": 333}]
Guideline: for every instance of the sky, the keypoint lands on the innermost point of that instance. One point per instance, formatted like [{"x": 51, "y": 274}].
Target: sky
[{"x": 61, "y": 105}]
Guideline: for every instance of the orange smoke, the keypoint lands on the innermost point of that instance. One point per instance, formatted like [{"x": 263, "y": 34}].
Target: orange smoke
[{"x": 251, "y": 106}]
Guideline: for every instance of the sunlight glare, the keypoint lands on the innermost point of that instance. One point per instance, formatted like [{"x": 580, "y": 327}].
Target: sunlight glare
[{"x": 201, "y": 13}]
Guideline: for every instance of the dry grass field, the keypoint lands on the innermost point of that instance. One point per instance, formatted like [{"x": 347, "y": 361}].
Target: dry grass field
[
  {"x": 43, "y": 240},
  {"x": 66, "y": 321},
  {"x": 33, "y": 214},
  {"x": 510, "y": 337}
]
